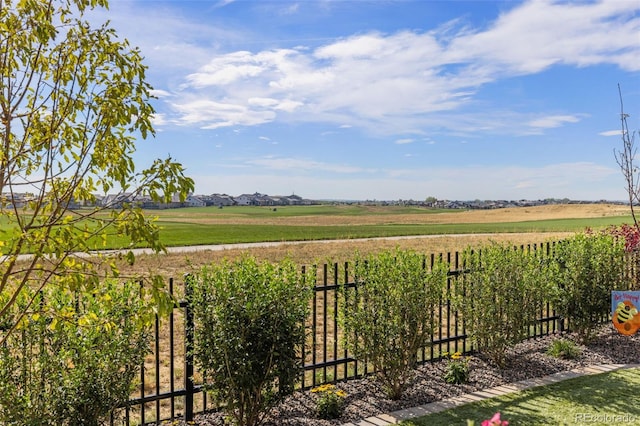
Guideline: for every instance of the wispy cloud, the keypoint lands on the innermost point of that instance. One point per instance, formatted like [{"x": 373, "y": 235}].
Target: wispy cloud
[
  {"x": 301, "y": 164},
  {"x": 553, "y": 121},
  {"x": 611, "y": 133},
  {"x": 400, "y": 82},
  {"x": 223, "y": 3}
]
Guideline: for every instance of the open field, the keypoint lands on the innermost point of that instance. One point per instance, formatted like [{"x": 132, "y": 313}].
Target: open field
[
  {"x": 526, "y": 225},
  {"x": 327, "y": 215},
  {"x": 210, "y": 225},
  {"x": 230, "y": 225}
]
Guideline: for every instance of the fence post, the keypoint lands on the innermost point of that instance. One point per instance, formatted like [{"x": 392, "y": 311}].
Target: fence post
[{"x": 188, "y": 351}]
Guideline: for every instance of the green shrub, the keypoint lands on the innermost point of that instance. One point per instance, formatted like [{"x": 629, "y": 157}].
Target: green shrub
[
  {"x": 500, "y": 296},
  {"x": 564, "y": 349},
  {"x": 250, "y": 326},
  {"x": 71, "y": 358},
  {"x": 591, "y": 266},
  {"x": 389, "y": 316}
]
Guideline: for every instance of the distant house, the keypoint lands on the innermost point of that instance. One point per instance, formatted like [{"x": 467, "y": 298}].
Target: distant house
[
  {"x": 115, "y": 201},
  {"x": 258, "y": 199},
  {"x": 174, "y": 203},
  {"x": 219, "y": 200},
  {"x": 294, "y": 200},
  {"x": 145, "y": 202},
  {"x": 194, "y": 201},
  {"x": 245, "y": 200},
  {"x": 18, "y": 200},
  {"x": 263, "y": 200},
  {"x": 255, "y": 199}
]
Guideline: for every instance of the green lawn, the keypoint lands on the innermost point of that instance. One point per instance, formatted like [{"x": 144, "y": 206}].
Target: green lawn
[
  {"x": 183, "y": 233},
  {"x": 601, "y": 399},
  {"x": 291, "y": 211}
]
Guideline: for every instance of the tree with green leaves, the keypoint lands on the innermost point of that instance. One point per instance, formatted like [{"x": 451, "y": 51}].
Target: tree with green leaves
[{"x": 73, "y": 103}]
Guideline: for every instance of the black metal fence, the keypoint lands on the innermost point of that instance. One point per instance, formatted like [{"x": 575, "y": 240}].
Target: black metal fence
[{"x": 171, "y": 388}]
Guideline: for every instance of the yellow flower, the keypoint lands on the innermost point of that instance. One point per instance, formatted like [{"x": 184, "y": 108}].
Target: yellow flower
[
  {"x": 456, "y": 355},
  {"x": 341, "y": 393},
  {"x": 323, "y": 388}
]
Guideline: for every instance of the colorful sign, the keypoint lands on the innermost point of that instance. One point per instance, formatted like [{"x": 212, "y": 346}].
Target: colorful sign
[{"x": 624, "y": 311}]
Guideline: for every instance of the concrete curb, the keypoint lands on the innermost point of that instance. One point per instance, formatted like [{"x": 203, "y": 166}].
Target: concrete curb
[{"x": 435, "y": 407}]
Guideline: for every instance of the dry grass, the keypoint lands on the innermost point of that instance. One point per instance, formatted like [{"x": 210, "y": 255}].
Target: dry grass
[{"x": 177, "y": 264}]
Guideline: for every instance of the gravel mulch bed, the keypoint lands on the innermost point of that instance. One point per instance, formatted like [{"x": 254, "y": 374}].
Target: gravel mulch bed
[{"x": 527, "y": 360}]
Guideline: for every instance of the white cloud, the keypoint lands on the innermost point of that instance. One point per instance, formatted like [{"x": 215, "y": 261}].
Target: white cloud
[
  {"x": 222, "y": 3},
  {"x": 262, "y": 102},
  {"x": 288, "y": 105},
  {"x": 226, "y": 69},
  {"x": 541, "y": 33},
  {"x": 212, "y": 115},
  {"x": 409, "y": 82},
  {"x": 160, "y": 93},
  {"x": 298, "y": 164},
  {"x": 611, "y": 133},
  {"x": 404, "y": 141},
  {"x": 158, "y": 119},
  {"x": 553, "y": 121}
]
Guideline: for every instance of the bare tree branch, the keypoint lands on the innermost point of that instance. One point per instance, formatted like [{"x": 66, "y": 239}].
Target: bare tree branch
[{"x": 626, "y": 160}]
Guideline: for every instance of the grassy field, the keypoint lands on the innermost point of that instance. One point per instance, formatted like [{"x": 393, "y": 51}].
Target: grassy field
[
  {"x": 601, "y": 399},
  {"x": 435, "y": 231},
  {"x": 209, "y": 225},
  {"x": 187, "y": 234}
]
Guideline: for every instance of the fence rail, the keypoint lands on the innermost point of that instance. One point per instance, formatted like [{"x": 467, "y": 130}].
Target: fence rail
[{"x": 171, "y": 387}]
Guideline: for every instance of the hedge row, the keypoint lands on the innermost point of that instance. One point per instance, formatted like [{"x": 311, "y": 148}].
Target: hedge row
[
  {"x": 75, "y": 359},
  {"x": 251, "y": 316}
]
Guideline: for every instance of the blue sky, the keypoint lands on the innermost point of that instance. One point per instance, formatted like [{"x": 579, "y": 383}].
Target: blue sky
[{"x": 390, "y": 99}]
